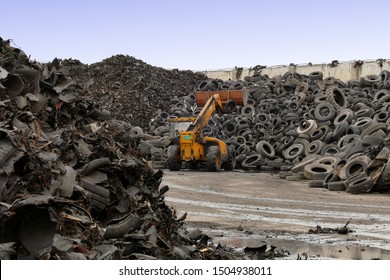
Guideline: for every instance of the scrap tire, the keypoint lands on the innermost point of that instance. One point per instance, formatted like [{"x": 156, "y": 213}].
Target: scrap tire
[
  {"x": 371, "y": 129},
  {"x": 213, "y": 158},
  {"x": 203, "y": 86},
  {"x": 265, "y": 149},
  {"x": 362, "y": 185},
  {"x": 336, "y": 186},
  {"x": 336, "y": 97},
  {"x": 316, "y": 171},
  {"x": 173, "y": 158},
  {"x": 230, "y": 163},
  {"x": 294, "y": 151},
  {"x": 324, "y": 112},
  {"x": 316, "y": 75},
  {"x": 316, "y": 184}
]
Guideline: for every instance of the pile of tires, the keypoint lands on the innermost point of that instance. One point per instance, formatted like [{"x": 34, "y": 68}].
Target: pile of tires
[{"x": 306, "y": 126}]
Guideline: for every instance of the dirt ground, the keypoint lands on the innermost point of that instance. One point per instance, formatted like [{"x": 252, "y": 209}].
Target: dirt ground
[{"x": 237, "y": 209}]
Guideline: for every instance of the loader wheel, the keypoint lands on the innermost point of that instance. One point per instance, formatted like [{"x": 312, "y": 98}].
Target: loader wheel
[
  {"x": 230, "y": 163},
  {"x": 173, "y": 158},
  {"x": 213, "y": 156}
]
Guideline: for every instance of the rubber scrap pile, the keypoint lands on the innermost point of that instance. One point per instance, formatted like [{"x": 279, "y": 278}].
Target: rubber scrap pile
[
  {"x": 131, "y": 89},
  {"x": 73, "y": 184},
  {"x": 334, "y": 133}
]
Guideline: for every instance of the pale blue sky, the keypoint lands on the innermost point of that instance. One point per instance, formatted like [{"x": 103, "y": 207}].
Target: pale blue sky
[{"x": 199, "y": 35}]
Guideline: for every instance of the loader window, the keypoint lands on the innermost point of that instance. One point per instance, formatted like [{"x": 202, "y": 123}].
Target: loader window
[
  {"x": 181, "y": 126},
  {"x": 176, "y": 127}
]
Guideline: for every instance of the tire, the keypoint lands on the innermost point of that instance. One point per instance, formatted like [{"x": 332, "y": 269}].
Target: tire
[
  {"x": 379, "y": 103},
  {"x": 230, "y": 105},
  {"x": 293, "y": 178},
  {"x": 276, "y": 164},
  {"x": 381, "y": 117},
  {"x": 284, "y": 174},
  {"x": 144, "y": 148},
  {"x": 253, "y": 161},
  {"x": 225, "y": 87},
  {"x": 381, "y": 93},
  {"x": 339, "y": 130},
  {"x": 363, "y": 122},
  {"x": 328, "y": 137},
  {"x": 371, "y": 129},
  {"x": 331, "y": 177},
  {"x": 347, "y": 140},
  {"x": 385, "y": 75},
  {"x": 213, "y": 85},
  {"x": 136, "y": 132},
  {"x": 364, "y": 113},
  {"x": 336, "y": 97},
  {"x": 230, "y": 163},
  {"x": 230, "y": 127},
  {"x": 336, "y": 186},
  {"x": 303, "y": 141},
  {"x": 247, "y": 134},
  {"x": 248, "y": 111},
  {"x": 328, "y": 160},
  {"x": 369, "y": 80},
  {"x": 361, "y": 185},
  {"x": 355, "y": 148},
  {"x": 294, "y": 106},
  {"x": 238, "y": 85},
  {"x": 353, "y": 178},
  {"x": 316, "y": 75},
  {"x": 345, "y": 115},
  {"x": 173, "y": 158},
  {"x": 314, "y": 147},
  {"x": 355, "y": 167},
  {"x": 353, "y": 129},
  {"x": 319, "y": 133},
  {"x": 370, "y": 140},
  {"x": 213, "y": 158},
  {"x": 288, "y": 141},
  {"x": 203, "y": 86},
  {"x": 316, "y": 184},
  {"x": 315, "y": 171},
  {"x": 330, "y": 149},
  {"x": 307, "y": 127},
  {"x": 263, "y": 118},
  {"x": 302, "y": 87},
  {"x": 324, "y": 112},
  {"x": 294, "y": 151},
  {"x": 240, "y": 140},
  {"x": 243, "y": 149},
  {"x": 265, "y": 149}
]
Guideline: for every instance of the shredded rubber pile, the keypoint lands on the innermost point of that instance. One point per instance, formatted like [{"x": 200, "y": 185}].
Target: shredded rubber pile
[{"x": 131, "y": 89}]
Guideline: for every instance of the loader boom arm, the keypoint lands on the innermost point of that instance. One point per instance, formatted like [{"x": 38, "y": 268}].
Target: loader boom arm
[
  {"x": 214, "y": 104},
  {"x": 191, "y": 146}
]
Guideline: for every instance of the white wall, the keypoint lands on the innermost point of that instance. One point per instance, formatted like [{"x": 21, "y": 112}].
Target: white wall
[{"x": 350, "y": 70}]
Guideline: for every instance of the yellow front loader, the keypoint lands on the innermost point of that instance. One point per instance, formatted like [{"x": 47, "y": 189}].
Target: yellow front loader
[{"x": 191, "y": 146}]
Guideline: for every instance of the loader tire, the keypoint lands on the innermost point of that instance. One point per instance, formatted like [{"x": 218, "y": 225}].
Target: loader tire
[
  {"x": 173, "y": 158},
  {"x": 230, "y": 163},
  {"x": 213, "y": 157}
]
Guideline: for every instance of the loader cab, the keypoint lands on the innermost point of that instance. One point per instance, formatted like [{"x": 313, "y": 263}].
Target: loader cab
[{"x": 176, "y": 127}]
